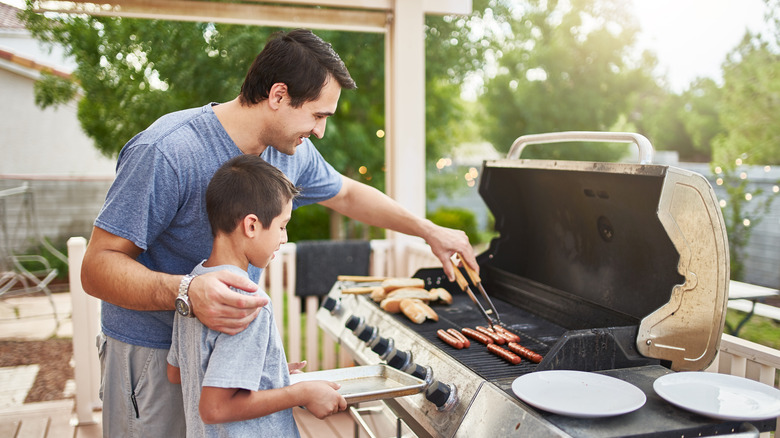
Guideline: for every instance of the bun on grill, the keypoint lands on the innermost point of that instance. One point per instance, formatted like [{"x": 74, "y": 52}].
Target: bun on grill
[{"x": 417, "y": 311}]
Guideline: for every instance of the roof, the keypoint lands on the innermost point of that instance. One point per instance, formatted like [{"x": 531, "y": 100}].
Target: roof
[
  {"x": 21, "y": 53},
  {"x": 9, "y": 19}
]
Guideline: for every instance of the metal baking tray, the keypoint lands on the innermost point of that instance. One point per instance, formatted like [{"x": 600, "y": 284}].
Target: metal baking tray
[{"x": 366, "y": 383}]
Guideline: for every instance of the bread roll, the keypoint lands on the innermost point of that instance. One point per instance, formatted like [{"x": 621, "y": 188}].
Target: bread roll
[
  {"x": 440, "y": 294},
  {"x": 378, "y": 294},
  {"x": 417, "y": 311},
  {"x": 392, "y": 284}
]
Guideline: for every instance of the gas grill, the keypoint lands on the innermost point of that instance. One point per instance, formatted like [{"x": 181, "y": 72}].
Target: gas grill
[{"x": 613, "y": 268}]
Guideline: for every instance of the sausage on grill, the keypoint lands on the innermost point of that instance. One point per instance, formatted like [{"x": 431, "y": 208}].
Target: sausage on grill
[
  {"x": 526, "y": 353},
  {"x": 500, "y": 340},
  {"x": 477, "y": 336},
  {"x": 508, "y": 335},
  {"x": 504, "y": 354},
  {"x": 449, "y": 339},
  {"x": 459, "y": 336}
]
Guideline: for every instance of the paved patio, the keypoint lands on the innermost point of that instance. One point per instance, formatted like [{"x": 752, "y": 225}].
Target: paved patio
[{"x": 31, "y": 318}]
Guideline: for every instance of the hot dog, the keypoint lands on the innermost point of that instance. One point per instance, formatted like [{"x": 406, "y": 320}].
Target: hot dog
[
  {"x": 477, "y": 336},
  {"x": 449, "y": 339},
  {"x": 526, "y": 353},
  {"x": 509, "y": 336},
  {"x": 500, "y": 340},
  {"x": 459, "y": 336},
  {"x": 504, "y": 354}
]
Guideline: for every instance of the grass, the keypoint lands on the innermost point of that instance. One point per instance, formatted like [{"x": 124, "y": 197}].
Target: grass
[{"x": 758, "y": 329}]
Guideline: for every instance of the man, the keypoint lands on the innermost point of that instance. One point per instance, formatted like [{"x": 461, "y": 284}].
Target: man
[{"x": 153, "y": 227}]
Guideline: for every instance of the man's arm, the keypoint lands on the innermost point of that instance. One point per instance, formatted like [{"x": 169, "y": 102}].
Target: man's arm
[
  {"x": 368, "y": 205},
  {"x": 224, "y": 405},
  {"x": 111, "y": 273}
]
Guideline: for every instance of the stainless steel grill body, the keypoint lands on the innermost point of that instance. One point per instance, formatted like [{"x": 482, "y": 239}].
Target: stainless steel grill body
[{"x": 614, "y": 268}]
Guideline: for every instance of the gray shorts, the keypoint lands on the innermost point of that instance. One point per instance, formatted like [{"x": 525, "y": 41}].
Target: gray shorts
[{"x": 138, "y": 399}]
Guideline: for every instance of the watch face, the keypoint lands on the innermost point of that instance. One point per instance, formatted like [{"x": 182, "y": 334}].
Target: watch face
[{"x": 182, "y": 306}]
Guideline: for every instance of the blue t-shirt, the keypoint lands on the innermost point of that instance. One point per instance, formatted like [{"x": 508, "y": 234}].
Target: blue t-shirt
[
  {"x": 158, "y": 202},
  {"x": 253, "y": 360}
]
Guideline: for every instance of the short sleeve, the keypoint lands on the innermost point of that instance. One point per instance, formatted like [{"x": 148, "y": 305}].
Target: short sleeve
[
  {"x": 143, "y": 199},
  {"x": 238, "y": 361}
]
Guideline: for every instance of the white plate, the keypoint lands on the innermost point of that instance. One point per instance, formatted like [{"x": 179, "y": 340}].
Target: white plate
[
  {"x": 578, "y": 394},
  {"x": 720, "y": 396}
]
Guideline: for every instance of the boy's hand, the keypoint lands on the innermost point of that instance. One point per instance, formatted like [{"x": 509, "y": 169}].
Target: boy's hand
[
  {"x": 220, "y": 308},
  {"x": 322, "y": 399},
  {"x": 296, "y": 367}
]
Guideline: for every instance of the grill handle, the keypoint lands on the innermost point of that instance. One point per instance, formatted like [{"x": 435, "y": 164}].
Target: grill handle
[{"x": 645, "y": 148}]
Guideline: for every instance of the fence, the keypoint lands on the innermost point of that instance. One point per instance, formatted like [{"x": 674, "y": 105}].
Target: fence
[
  {"x": 742, "y": 358},
  {"x": 306, "y": 341}
]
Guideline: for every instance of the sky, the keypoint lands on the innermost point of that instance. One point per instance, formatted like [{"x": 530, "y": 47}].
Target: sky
[{"x": 690, "y": 37}]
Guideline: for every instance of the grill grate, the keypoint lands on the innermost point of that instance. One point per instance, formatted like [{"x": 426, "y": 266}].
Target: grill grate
[{"x": 535, "y": 333}]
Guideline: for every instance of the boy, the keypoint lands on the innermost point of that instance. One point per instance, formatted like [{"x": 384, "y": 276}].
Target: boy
[{"x": 240, "y": 385}]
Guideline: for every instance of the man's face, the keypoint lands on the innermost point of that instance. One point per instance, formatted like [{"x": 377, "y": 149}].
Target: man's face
[{"x": 295, "y": 124}]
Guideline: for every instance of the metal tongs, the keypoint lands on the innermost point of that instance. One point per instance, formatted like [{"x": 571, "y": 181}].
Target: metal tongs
[{"x": 464, "y": 285}]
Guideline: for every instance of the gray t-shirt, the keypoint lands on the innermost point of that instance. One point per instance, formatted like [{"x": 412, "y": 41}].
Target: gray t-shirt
[
  {"x": 253, "y": 359},
  {"x": 158, "y": 202}
]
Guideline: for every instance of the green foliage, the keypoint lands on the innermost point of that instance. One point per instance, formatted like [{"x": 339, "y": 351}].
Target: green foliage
[
  {"x": 740, "y": 214},
  {"x": 51, "y": 90},
  {"x": 563, "y": 68},
  {"x": 308, "y": 223},
  {"x": 750, "y": 105},
  {"x": 457, "y": 218},
  {"x": 758, "y": 329}
]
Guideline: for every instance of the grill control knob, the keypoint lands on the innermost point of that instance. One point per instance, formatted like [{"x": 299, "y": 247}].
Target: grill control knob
[
  {"x": 443, "y": 395},
  {"x": 367, "y": 333},
  {"x": 399, "y": 359},
  {"x": 354, "y": 322},
  {"x": 418, "y": 371},
  {"x": 331, "y": 304},
  {"x": 382, "y": 346}
]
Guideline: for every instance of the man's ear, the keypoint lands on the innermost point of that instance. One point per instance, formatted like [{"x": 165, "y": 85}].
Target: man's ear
[
  {"x": 277, "y": 94},
  {"x": 251, "y": 225}
]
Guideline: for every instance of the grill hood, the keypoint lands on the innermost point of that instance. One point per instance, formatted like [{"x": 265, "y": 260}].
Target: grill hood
[{"x": 630, "y": 244}]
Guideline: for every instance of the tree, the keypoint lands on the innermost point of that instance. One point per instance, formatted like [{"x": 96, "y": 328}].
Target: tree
[
  {"x": 564, "y": 67},
  {"x": 750, "y": 119},
  {"x": 750, "y": 106},
  {"x": 131, "y": 71}
]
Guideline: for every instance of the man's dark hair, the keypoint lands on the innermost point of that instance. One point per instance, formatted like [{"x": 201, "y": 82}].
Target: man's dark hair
[
  {"x": 246, "y": 184},
  {"x": 299, "y": 59}
]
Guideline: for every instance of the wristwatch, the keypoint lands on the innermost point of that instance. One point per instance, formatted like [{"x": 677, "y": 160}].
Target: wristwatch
[{"x": 183, "y": 306}]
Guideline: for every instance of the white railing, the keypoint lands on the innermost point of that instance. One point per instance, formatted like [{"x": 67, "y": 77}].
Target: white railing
[
  {"x": 306, "y": 341},
  {"x": 739, "y": 357}
]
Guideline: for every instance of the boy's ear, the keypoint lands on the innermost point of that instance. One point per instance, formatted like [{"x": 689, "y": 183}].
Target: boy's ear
[{"x": 251, "y": 225}]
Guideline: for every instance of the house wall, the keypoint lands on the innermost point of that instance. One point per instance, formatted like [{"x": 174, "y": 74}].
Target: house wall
[
  {"x": 40, "y": 142},
  {"x": 46, "y": 150}
]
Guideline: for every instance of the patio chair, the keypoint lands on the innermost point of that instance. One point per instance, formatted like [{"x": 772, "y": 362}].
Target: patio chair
[{"x": 24, "y": 274}]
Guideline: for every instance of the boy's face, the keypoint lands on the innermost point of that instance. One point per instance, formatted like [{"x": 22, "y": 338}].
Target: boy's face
[{"x": 267, "y": 241}]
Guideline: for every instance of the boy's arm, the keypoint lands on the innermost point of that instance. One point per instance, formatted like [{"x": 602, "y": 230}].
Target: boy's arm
[
  {"x": 174, "y": 374},
  {"x": 223, "y": 405}
]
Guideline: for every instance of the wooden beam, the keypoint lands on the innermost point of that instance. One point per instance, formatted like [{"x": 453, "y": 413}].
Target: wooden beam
[
  {"x": 233, "y": 13},
  {"x": 443, "y": 7}
]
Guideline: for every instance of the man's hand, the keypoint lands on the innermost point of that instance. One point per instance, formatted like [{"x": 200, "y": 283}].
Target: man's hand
[
  {"x": 220, "y": 308},
  {"x": 445, "y": 242}
]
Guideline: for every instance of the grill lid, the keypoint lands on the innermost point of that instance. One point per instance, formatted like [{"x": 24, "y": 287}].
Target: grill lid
[{"x": 647, "y": 242}]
